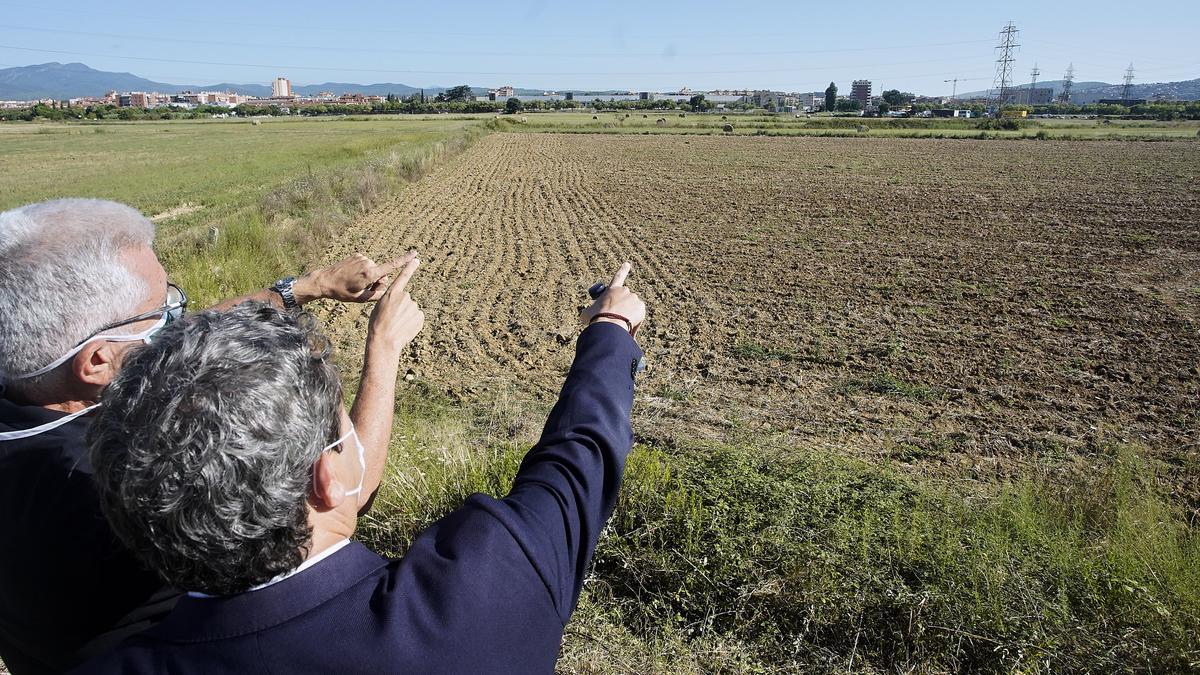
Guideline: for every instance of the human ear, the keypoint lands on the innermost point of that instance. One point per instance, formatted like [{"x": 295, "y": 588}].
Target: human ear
[
  {"x": 96, "y": 364},
  {"x": 327, "y": 492}
]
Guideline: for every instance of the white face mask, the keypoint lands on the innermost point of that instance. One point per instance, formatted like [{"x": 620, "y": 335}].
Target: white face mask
[
  {"x": 172, "y": 308},
  {"x": 362, "y": 457},
  {"x": 143, "y": 336}
]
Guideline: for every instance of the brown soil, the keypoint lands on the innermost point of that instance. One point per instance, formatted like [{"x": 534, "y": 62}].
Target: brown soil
[{"x": 956, "y": 306}]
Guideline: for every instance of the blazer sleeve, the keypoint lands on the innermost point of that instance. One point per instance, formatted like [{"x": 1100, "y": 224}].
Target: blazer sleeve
[{"x": 566, "y": 487}]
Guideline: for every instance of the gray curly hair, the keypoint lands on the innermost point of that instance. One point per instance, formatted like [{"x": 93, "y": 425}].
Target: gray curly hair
[{"x": 205, "y": 443}]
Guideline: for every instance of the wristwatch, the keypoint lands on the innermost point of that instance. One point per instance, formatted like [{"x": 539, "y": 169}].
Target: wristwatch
[{"x": 284, "y": 288}]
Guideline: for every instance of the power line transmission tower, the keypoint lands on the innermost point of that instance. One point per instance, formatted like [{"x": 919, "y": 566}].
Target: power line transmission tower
[
  {"x": 1128, "y": 84},
  {"x": 1033, "y": 74},
  {"x": 1065, "y": 96},
  {"x": 1008, "y": 49},
  {"x": 954, "y": 89}
]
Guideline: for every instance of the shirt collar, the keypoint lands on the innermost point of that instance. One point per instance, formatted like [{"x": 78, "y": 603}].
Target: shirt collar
[
  {"x": 312, "y": 560},
  {"x": 203, "y": 619}
]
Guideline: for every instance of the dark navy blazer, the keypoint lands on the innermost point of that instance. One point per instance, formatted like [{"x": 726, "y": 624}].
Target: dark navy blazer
[
  {"x": 68, "y": 589},
  {"x": 488, "y": 588}
]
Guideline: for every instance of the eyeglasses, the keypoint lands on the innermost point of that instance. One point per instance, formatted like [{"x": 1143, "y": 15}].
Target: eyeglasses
[{"x": 173, "y": 307}]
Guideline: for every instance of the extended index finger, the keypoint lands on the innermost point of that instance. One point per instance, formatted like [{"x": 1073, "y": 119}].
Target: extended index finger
[
  {"x": 405, "y": 274},
  {"x": 619, "y": 278},
  {"x": 381, "y": 271}
]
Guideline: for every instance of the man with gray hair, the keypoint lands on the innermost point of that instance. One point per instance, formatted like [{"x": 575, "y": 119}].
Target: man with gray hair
[
  {"x": 80, "y": 287},
  {"x": 224, "y": 459}
]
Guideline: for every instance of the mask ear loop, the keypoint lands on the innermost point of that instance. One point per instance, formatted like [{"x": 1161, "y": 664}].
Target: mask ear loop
[
  {"x": 331, "y": 446},
  {"x": 362, "y": 462},
  {"x": 132, "y": 337}
]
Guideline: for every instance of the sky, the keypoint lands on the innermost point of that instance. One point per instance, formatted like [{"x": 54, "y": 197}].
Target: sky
[{"x": 656, "y": 46}]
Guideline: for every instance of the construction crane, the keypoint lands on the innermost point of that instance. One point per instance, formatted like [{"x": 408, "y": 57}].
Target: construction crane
[{"x": 954, "y": 90}]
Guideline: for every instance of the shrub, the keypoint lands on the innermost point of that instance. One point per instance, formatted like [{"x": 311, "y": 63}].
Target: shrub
[{"x": 823, "y": 561}]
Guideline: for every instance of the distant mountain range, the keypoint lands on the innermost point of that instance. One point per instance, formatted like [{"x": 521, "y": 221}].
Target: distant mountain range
[
  {"x": 1090, "y": 92},
  {"x": 71, "y": 80}
]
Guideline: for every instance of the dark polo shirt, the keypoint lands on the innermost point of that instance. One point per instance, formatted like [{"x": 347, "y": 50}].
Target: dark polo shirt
[
  {"x": 486, "y": 589},
  {"x": 68, "y": 589}
]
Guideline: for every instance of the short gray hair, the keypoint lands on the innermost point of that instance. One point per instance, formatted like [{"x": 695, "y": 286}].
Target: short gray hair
[
  {"x": 204, "y": 447},
  {"x": 62, "y": 278}
]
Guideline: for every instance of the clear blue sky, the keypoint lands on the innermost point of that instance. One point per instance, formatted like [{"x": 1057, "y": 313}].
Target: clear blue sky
[{"x": 593, "y": 45}]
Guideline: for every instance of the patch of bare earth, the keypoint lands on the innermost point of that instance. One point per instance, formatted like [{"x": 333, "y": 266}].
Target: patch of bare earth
[
  {"x": 956, "y": 306},
  {"x": 176, "y": 211}
]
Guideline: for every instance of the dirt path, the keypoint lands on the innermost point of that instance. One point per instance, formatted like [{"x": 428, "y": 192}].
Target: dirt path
[{"x": 962, "y": 305}]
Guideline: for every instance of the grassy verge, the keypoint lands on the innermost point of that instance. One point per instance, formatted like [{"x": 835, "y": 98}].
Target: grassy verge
[
  {"x": 719, "y": 558},
  {"x": 292, "y": 223},
  {"x": 238, "y": 204}
]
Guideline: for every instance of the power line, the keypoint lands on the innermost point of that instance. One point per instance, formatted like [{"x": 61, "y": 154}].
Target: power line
[
  {"x": 1068, "y": 79},
  {"x": 409, "y": 33},
  {"x": 1128, "y": 84},
  {"x": 460, "y": 52},
  {"x": 1007, "y": 48},
  {"x": 285, "y": 67}
]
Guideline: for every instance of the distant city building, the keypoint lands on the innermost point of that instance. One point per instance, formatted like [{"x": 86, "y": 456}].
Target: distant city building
[
  {"x": 506, "y": 92},
  {"x": 772, "y": 100},
  {"x": 810, "y": 100},
  {"x": 1038, "y": 96},
  {"x": 570, "y": 96},
  {"x": 779, "y": 101},
  {"x": 281, "y": 88},
  {"x": 645, "y": 96},
  {"x": 222, "y": 98},
  {"x": 141, "y": 99},
  {"x": 860, "y": 91}
]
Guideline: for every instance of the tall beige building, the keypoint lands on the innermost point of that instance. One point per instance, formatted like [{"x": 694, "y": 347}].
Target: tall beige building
[{"x": 281, "y": 88}]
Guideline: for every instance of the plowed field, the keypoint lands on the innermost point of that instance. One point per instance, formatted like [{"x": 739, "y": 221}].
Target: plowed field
[{"x": 957, "y": 305}]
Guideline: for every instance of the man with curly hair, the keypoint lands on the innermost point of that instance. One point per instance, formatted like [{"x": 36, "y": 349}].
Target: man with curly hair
[{"x": 224, "y": 459}]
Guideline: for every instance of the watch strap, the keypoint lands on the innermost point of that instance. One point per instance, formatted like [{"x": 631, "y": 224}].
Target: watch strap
[{"x": 284, "y": 288}]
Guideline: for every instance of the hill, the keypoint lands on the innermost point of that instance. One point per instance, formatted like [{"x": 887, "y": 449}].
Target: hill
[
  {"x": 1090, "y": 92},
  {"x": 69, "y": 80}
]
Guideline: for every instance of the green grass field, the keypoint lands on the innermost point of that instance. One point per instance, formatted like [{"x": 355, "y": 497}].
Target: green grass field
[
  {"x": 221, "y": 165},
  {"x": 274, "y": 189}
]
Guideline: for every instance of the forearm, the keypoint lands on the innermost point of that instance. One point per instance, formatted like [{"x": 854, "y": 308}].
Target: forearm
[
  {"x": 306, "y": 289},
  {"x": 567, "y": 484},
  {"x": 373, "y": 411}
]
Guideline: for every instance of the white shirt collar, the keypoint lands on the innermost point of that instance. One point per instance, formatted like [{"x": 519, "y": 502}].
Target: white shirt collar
[{"x": 313, "y": 560}]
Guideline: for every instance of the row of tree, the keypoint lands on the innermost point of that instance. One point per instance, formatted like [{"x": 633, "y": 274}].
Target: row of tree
[{"x": 461, "y": 100}]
